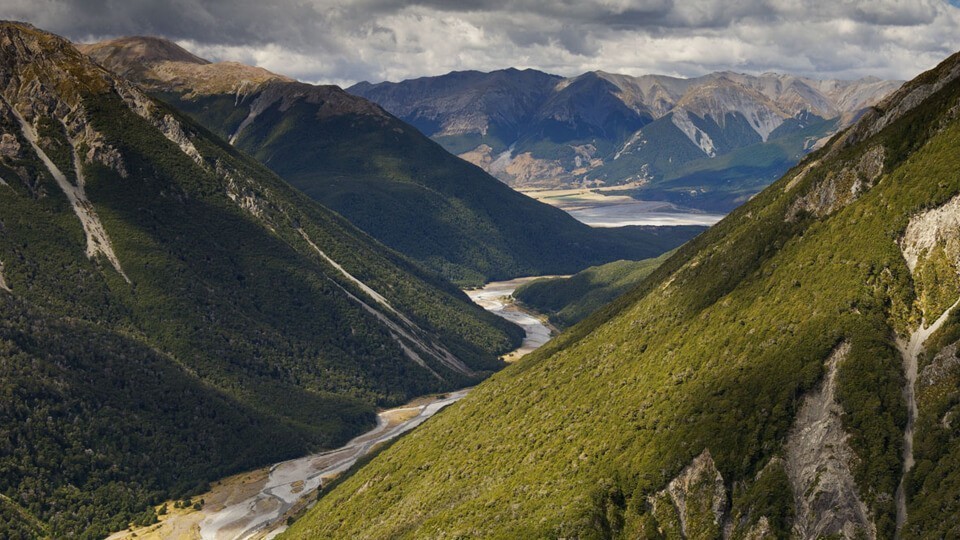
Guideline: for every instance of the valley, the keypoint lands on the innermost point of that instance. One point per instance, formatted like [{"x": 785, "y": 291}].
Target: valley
[
  {"x": 693, "y": 405},
  {"x": 496, "y": 297},
  {"x": 255, "y": 505},
  {"x": 239, "y": 304},
  {"x": 383, "y": 175}
]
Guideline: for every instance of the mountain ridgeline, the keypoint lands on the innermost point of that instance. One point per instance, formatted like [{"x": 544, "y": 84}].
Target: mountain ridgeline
[
  {"x": 171, "y": 311},
  {"x": 792, "y": 372},
  {"x": 708, "y": 142},
  {"x": 383, "y": 175}
]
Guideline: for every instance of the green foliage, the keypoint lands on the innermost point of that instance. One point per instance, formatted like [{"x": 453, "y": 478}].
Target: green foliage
[
  {"x": 715, "y": 349},
  {"x": 933, "y": 487},
  {"x": 409, "y": 193},
  {"x": 233, "y": 345},
  {"x": 568, "y": 300},
  {"x": 936, "y": 283},
  {"x": 768, "y": 496}
]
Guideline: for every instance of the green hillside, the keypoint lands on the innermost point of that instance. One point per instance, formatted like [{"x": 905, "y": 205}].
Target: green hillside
[
  {"x": 569, "y": 300},
  {"x": 753, "y": 384},
  {"x": 383, "y": 175},
  {"x": 172, "y": 312}
]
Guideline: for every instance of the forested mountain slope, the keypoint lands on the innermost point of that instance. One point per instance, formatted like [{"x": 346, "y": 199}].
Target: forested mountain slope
[
  {"x": 569, "y": 300},
  {"x": 759, "y": 384},
  {"x": 383, "y": 175},
  {"x": 171, "y": 311}
]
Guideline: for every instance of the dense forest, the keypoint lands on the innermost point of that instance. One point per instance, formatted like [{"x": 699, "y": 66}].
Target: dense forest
[
  {"x": 380, "y": 173},
  {"x": 172, "y": 311}
]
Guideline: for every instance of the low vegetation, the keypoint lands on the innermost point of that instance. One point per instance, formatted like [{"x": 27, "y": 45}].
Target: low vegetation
[
  {"x": 714, "y": 351},
  {"x": 568, "y": 300}
]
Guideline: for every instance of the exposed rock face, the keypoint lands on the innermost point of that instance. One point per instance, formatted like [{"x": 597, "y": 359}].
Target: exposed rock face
[
  {"x": 935, "y": 227},
  {"x": 838, "y": 190},
  {"x": 696, "y": 498},
  {"x": 818, "y": 459},
  {"x": 944, "y": 363},
  {"x": 760, "y": 531},
  {"x": 3, "y": 280},
  {"x": 41, "y": 87}
]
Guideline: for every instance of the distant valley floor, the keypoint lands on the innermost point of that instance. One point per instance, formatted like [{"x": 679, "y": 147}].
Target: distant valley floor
[{"x": 610, "y": 207}]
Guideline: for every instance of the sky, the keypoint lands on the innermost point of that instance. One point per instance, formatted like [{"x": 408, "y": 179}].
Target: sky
[{"x": 323, "y": 41}]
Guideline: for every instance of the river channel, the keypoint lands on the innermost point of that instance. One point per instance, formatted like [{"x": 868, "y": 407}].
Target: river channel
[{"x": 255, "y": 505}]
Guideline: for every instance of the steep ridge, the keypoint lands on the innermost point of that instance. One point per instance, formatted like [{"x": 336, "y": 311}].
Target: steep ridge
[
  {"x": 382, "y": 174},
  {"x": 173, "y": 312},
  {"x": 690, "y": 407},
  {"x": 710, "y": 141}
]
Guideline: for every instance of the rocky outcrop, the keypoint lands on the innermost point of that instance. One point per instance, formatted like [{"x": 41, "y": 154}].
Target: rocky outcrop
[
  {"x": 3, "y": 280},
  {"x": 943, "y": 364},
  {"x": 838, "y": 190},
  {"x": 818, "y": 460},
  {"x": 98, "y": 241},
  {"x": 927, "y": 230},
  {"x": 760, "y": 530},
  {"x": 696, "y": 499}
]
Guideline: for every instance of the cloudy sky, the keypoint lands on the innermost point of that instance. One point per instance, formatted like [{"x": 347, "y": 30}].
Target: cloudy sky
[{"x": 348, "y": 41}]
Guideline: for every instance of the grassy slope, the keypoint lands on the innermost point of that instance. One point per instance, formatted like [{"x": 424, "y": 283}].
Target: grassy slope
[
  {"x": 409, "y": 193},
  {"x": 233, "y": 346},
  {"x": 714, "y": 351},
  {"x": 569, "y": 300}
]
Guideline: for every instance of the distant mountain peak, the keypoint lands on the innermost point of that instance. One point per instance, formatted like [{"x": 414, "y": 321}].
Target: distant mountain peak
[
  {"x": 542, "y": 123},
  {"x": 162, "y": 63},
  {"x": 142, "y": 49}
]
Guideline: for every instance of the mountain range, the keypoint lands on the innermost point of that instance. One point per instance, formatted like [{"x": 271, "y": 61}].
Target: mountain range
[
  {"x": 707, "y": 142},
  {"x": 790, "y": 373},
  {"x": 171, "y": 311},
  {"x": 380, "y": 173}
]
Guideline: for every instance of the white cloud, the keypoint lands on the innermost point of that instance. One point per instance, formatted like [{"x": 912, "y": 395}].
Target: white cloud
[{"x": 344, "y": 42}]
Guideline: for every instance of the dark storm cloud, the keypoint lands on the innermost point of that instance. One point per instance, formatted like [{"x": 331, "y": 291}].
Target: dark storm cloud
[{"x": 378, "y": 39}]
